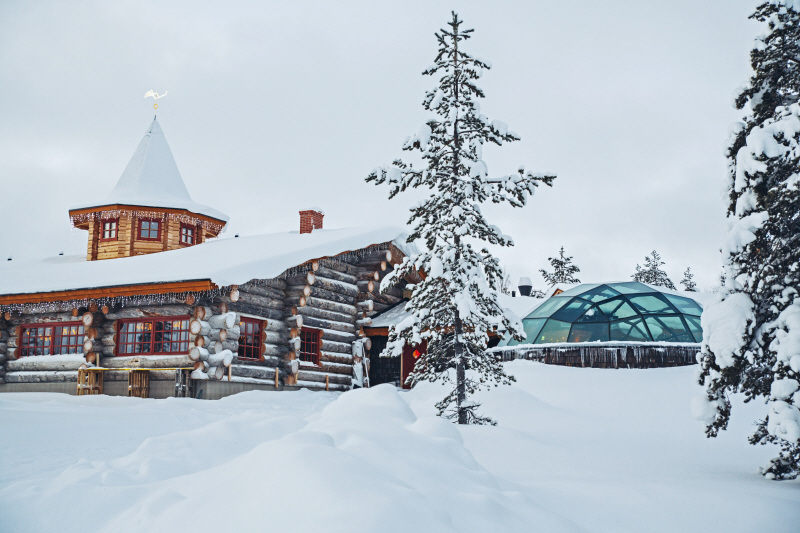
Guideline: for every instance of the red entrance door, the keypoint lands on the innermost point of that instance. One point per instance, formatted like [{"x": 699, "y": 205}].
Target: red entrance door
[{"x": 409, "y": 359}]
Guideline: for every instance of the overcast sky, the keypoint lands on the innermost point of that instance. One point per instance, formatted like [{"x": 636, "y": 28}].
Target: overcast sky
[{"x": 277, "y": 106}]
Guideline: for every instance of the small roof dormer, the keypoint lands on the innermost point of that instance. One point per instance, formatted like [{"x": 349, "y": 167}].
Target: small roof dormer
[{"x": 149, "y": 210}]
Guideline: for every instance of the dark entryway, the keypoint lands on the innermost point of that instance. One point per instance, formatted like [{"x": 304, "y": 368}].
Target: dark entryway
[{"x": 382, "y": 369}]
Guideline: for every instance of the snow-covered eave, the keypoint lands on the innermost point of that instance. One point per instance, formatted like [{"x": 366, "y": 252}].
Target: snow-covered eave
[
  {"x": 207, "y": 266},
  {"x": 190, "y": 207}
]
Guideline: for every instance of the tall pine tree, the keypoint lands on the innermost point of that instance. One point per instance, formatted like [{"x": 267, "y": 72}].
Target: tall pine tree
[
  {"x": 651, "y": 273},
  {"x": 563, "y": 270},
  {"x": 752, "y": 330},
  {"x": 688, "y": 281},
  {"x": 455, "y": 306}
]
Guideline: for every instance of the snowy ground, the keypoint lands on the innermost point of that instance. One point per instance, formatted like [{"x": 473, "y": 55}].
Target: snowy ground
[{"x": 576, "y": 450}]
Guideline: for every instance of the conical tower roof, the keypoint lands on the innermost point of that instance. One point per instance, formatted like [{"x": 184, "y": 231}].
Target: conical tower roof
[{"x": 152, "y": 179}]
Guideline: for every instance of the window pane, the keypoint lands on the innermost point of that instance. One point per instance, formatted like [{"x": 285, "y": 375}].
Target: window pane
[
  {"x": 580, "y": 289},
  {"x": 651, "y": 303},
  {"x": 548, "y": 307},
  {"x": 553, "y": 331},
  {"x": 630, "y": 287},
  {"x": 603, "y": 292},
  {"x": 589, "y": 332},
  {"x": 629, "y": 330},
  {"x": 668, "y": 328},
  {"x": 145, "y": 233},
  {"x": 593, "y": 314},
  {"x": 145, "y": 224},
  {"x": 694, "y": 326},
  {"x": 531, "y": 326},
  {"x": 572, "y": 310},
  {"x": 685, "y": 305}
]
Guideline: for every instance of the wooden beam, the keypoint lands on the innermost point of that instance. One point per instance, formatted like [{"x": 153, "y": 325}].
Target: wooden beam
[
  {"x": 105, "y": 292},
  {"x": 380, "y": 332}
]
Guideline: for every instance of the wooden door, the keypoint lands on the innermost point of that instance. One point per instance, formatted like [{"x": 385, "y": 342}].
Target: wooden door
[{"x": 409, "y": 359}]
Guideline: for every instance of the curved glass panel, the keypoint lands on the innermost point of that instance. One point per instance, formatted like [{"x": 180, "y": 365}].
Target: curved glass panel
[
  {"x": 685, "y": 305},
  {"x": 694, "y": 326},
  {"x": 531, "y": 326},
  {"x": 625, "y": 310},
  {"x": 631, "y": 330},
  {"x": 668, "y": 328},
  {"x": 630, "y": 287},
  {"x": 553, "y": 331},
  {"x": 592, "y": 315},
  {"x": 580, "y": 289},
  {"x": 589, "y": 332},
  {"x": 651, "y": 303},
  {"x": 572, "y": 310},
  {"x": 548, "y": 307},
  {"x": 598, "y": 294}
]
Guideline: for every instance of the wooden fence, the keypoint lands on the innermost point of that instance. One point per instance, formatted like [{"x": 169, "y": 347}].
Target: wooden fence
[{"x": 606, "y": 355}]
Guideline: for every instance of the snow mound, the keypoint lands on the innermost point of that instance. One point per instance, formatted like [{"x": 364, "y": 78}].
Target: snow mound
[{"x": 571, "y": 445}]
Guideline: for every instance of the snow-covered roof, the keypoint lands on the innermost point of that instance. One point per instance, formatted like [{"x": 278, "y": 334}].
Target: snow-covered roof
[
  {"x": 231, "y": 261},
  {"x": 152, "y": 179},
  {"x": 520, "y": 305},
  {"x": 390, "y": 317}
]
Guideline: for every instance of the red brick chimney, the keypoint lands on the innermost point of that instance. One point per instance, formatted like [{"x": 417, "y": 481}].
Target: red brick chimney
[{"x": 311, "y": 219}]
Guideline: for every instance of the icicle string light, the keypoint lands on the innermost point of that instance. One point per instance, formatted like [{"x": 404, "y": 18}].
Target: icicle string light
[{"x": 130, "y": 213}]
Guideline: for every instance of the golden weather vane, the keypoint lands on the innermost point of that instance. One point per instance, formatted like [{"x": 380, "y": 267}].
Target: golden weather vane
[{"x": 155, "y": 97}]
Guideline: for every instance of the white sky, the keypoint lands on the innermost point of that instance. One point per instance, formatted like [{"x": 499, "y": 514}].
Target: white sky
[{"x": 276, "y": 106}]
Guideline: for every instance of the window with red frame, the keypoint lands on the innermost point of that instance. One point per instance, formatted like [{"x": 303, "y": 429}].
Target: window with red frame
[
  {"x": 249, "y": 338},
  {"x": 149, "y": 230},
  {"x": 187, "y": 235},
  {"x": 156, "y": 336},
  {"x": 51, "y": 339},
  {"x": 309, "y": 345},
  {"x": 109, "y": 232}
]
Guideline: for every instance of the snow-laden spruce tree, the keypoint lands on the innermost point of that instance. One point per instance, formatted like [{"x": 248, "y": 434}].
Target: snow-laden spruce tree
[
  {"x": 751, "y": 332},
  {"x": 651, "y": 273},
  {"x": 563, "y": 270},
  {"x": 455, "y": 306},
  {"x": 688, "y": 281}
]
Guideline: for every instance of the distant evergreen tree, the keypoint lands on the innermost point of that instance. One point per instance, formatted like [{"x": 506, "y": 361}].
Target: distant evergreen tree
[
  {"x": 536, "y": 293},
  {"x": 651, "y": 273},
  {"x": 563, "y": 270},
  {"x": 752, "y": 330},
  {"x": 688, "y": 281},
  {"x": 505, "y": 282},
  {"x": 456, "y": 305}
]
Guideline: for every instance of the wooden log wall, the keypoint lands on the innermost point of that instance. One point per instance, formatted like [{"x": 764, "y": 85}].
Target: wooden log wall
[{"x": 324, "y": 299}]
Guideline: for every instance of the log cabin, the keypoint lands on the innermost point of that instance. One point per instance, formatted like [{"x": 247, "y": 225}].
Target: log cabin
[{"x": 162, "y": 306}]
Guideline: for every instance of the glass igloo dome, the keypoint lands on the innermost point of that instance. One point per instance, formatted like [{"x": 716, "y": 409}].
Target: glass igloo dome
[{"x": 623, "y": 312}]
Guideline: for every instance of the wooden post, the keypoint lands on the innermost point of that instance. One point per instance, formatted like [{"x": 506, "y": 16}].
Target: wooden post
[
  {"x": 327, "y": 383},
  {"x": 229, "y": 372},
  {"x": 95, "y": 224},
  {"x": 165, "y": 233},
  {"x": 276, "y": 378}
]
